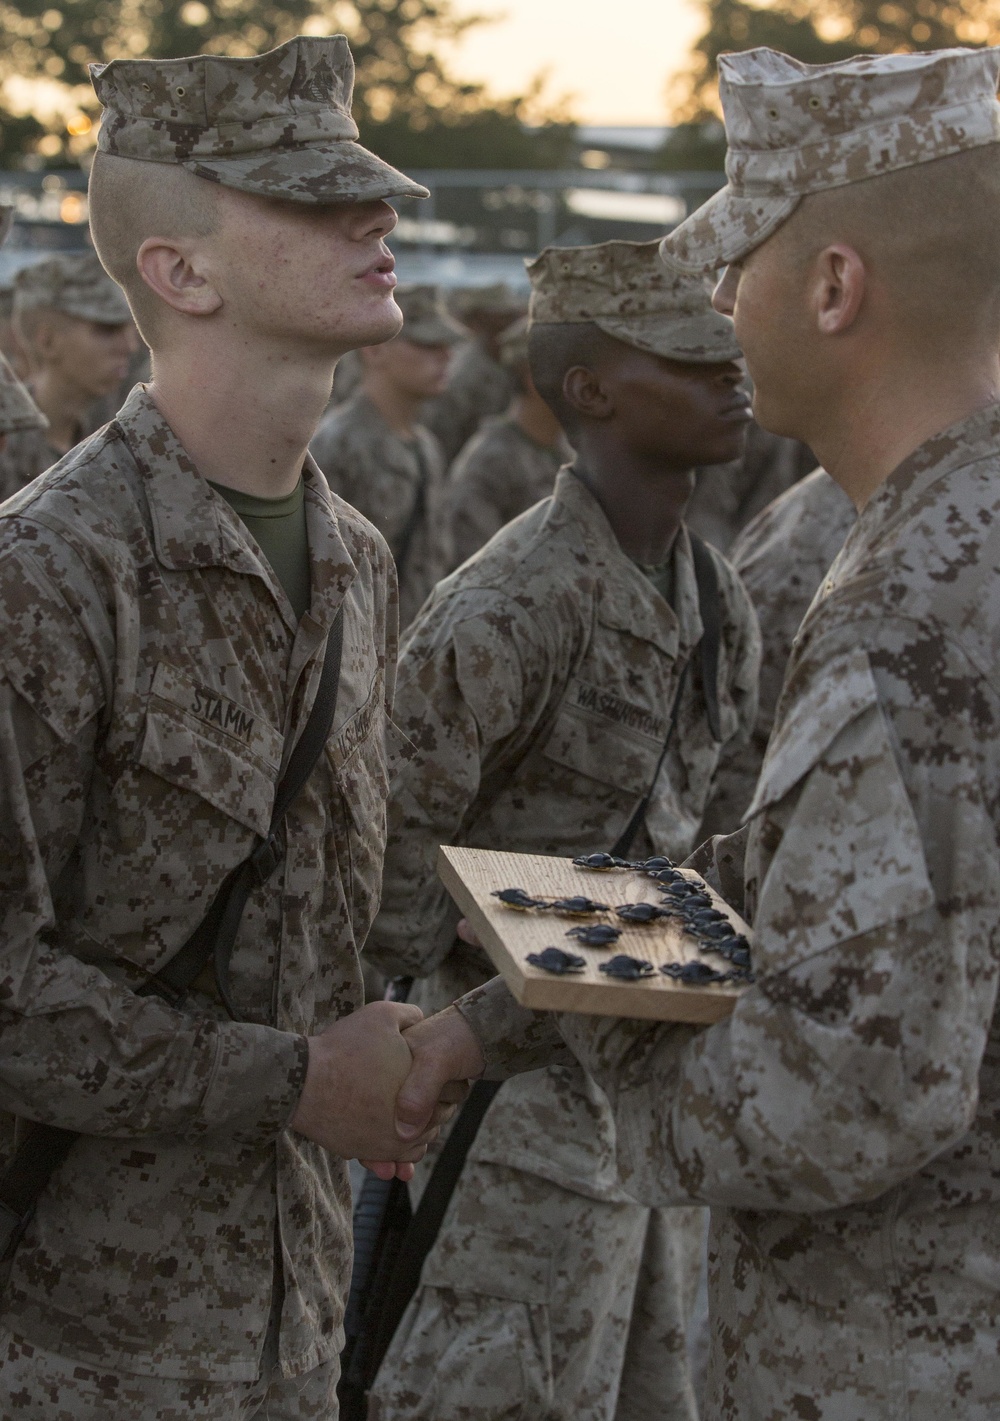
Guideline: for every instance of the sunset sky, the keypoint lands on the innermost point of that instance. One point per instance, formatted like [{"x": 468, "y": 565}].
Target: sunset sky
[{"x": 614, "y": 59}]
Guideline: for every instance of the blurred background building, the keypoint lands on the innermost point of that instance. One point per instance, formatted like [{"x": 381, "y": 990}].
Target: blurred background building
[{"x": 507, "y": 174}]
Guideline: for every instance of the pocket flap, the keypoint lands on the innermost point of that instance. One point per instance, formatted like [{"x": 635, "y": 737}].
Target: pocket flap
[
  {"x": 615, "y": 755},
  {"x": 812, "y": 724},
  {"x": 501, "y": 1269},
  {"x": 851, "y": 857},
  {"x": 235, "y": 783}
]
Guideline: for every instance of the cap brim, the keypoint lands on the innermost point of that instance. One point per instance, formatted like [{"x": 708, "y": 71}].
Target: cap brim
[
  {"x": 434, "y": 333},
  {"x": 313, "y": 172},
  {"x": 100, "y": 315},
  {"x": 702, "y": 339},
  {"x": 724, "y": 229}
]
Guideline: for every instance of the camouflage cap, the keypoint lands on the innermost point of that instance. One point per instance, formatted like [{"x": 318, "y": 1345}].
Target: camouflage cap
[
  {"x": 75, "y": 283},
  {"x": 796, "y": 128},
  {"x": 626, "y": 290},
  {"x": 277, "y": 124},
  {"x": 496, "y": 299},
  {"x": 425, "y": 320}
]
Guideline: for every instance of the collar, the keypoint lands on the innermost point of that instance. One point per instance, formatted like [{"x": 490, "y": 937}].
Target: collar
[
  {"x": 628, "y": 600},
  {"x": 914, "y": 482},
  {"x": 194, "y": 528}
]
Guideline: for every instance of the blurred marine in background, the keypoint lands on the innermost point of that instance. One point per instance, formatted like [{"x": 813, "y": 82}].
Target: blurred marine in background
[
  {"x": 478, "y": 384},
  {"x": 378, "y": 455},
  {"x": 77, "y": 336},
  {"x": 511, "y": 462}
]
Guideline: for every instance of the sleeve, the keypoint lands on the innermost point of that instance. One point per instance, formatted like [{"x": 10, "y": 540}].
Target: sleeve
[
  {"x": 513, "y": 1038},
  {"x": 475, "y": 674},
  {"x": 473, "y": 508},
  {"x": 76, "y": 1049},
  {"x": 855, "y": 1057},
  {"x": 741, "y": 633},
  {"x": 739, "y": 758}
]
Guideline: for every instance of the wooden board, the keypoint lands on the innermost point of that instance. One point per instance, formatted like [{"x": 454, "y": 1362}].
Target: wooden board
[{"x": 471, "y": 875}]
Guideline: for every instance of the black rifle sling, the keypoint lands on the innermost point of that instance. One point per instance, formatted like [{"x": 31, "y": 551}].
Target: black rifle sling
[
  {"x": 385, "y": 1312},
  {"x": 44, "y": 1147},
  {"x": 710, "y": 611},
  {"x": 708, "y": 650},
  {"x": 416, "y": 512}
]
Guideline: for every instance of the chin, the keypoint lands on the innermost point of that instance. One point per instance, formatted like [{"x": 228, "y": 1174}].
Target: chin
[
  {"x": 373, "y": 326},
  {"x": 777, "y": 416},
  {"x": 726, "y": 449}
]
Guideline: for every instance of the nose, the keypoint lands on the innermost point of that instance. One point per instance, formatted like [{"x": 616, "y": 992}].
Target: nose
[
  {"x": 724, "y": 295},
  {"x": 376, "y": 219}
]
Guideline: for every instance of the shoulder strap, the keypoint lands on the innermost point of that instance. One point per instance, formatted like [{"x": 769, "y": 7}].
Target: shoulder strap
[
  {"x": 416, "y": 512},
  {"x": 710, "y": 612},
  {"x": 386, "y": 1308},
  {"x": 707, "y": 581},
  {"x": 45, "y": 1147}
]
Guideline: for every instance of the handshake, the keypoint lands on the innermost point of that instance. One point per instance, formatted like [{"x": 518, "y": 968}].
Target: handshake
[{"x": 382, "y": 1081}]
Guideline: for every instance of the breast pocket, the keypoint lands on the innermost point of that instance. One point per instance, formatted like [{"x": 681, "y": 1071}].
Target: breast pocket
[
  {"x": 835, "y": 848},
  {"x": 590, "y": 744},
  {"x": 185, "y": 811}
]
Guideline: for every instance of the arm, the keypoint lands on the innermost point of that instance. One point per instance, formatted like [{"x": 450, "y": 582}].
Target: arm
[
  {"x": 473, "y": 490},
  {"x": 77, "y": 1049},
  {"x": 855, "y": 1059},
  {"x": 474, "y": 678}
]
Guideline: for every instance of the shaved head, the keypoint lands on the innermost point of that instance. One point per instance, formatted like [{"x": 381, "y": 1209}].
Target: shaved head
[
  {"x": 131, "y": 201},
  {"x": 557, "y": 348},
  {"x": 930, "y": 233}
]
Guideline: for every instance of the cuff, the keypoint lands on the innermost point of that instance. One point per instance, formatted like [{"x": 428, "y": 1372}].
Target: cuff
[
  {"x": 513, "y": 1039},
  {"x": 255, "y": 1084}
]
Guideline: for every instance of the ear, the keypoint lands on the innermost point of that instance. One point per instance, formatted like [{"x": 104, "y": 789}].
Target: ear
[
  {"x": 175, "y": 276},
  {"x": 587, "y": 394},
  {"x": 47, "y": 335},
  {"x": 837, "y": 289}
]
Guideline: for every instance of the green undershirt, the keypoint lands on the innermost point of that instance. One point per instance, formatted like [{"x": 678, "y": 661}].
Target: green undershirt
[
  {"x": 279, "y": 527},
  {"x": 661, "y": 576}
]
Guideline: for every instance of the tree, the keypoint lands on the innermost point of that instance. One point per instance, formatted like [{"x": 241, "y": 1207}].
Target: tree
[
  {"x": 822, "y": 31},
  {"x": 406, "y": 101}
]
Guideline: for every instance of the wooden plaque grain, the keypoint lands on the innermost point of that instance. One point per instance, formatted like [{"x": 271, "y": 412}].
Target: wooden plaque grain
[{"x": 471, "y": 876}]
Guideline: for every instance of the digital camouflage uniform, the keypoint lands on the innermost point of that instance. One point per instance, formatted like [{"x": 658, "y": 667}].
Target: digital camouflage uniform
[
  {"x": 398, "y": 483},
  {"x": 478, "y": 385},
  {"x": 153, "y": 679},
  {"x": 500, "y": 472},
  {"x": 842, "y": 1122},
  {"x": 782, "y": 557},
  {"x": 78, "y": 286},
  {"x": 536, "y": 687},
  {"x": 727, "y": 496}
]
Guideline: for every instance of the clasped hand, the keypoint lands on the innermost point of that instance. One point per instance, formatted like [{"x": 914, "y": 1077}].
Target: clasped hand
[{"x": 381, "y": 1082}]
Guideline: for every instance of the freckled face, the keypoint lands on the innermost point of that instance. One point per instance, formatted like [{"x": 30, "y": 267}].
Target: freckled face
[{"x": 305, "y": 272}]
